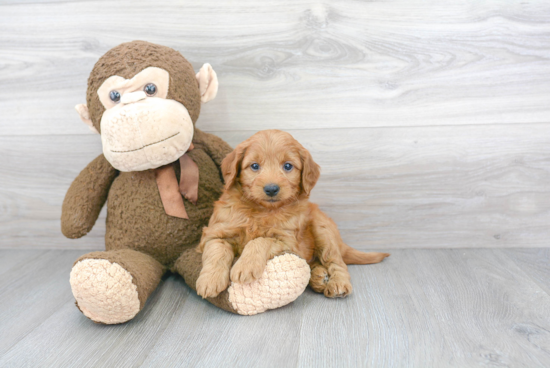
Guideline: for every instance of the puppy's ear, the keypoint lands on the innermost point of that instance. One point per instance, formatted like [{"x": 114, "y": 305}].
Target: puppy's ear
[
  {"x": 310, "y": 171},
  {"x": 231, "y": 165}
]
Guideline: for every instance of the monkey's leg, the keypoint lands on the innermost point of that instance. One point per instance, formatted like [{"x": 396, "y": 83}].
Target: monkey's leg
[
  {"x": 284, "y": 279},
  {"x": 112, "y": 287}
]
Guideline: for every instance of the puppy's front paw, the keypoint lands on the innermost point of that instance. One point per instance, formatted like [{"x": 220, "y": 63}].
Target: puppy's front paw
[
  {"x": 211, "y": 284},
  {"x": 337, "y": 288},
  {"x": 245, "y": 272}
]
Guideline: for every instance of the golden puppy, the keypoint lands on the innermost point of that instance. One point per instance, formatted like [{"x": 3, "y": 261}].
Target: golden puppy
[{"x": 264, "y": 211}]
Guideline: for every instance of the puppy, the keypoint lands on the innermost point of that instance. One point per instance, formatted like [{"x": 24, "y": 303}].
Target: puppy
[{"x": 264, "y": 211}]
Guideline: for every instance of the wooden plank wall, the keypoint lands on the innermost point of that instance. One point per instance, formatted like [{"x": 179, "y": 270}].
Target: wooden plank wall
[{"x": 431, "y": 120}]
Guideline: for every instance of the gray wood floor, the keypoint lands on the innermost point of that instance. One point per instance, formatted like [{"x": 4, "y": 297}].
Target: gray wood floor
[{"x": 419, "y": 308}]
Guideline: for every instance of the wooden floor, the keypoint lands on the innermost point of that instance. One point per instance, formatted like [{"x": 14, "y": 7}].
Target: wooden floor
[{"x": 419, "y": 308}]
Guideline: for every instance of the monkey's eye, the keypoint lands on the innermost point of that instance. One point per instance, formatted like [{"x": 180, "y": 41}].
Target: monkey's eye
[
  {"x": 150, "y": 89},
  {"x": 288, "y": 167},
  {"x": 255, "y": 167},
  {"x": 114, "y": 96}
]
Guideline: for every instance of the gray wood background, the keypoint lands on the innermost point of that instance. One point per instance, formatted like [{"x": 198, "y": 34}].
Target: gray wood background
[{"x": 431, "y": 120}]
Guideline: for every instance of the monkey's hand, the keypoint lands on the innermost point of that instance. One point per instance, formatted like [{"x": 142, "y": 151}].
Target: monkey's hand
[{"x": 85, "y": 198}]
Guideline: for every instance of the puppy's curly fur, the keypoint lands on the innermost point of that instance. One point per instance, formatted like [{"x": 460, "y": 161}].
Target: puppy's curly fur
[{"x": 256, "y": 223}]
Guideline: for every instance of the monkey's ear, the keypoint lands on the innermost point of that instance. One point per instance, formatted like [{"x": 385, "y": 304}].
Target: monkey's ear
[
  {"x": 82, "y": 110},
  {"x": 208, "y": 83}
]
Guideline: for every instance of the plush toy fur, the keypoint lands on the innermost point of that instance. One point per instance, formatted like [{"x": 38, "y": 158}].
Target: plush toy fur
[{"x": 142, "y": 241}]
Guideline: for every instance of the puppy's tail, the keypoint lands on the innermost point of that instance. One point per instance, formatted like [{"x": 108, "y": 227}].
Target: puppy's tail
[{"x": 354, "y": 256}]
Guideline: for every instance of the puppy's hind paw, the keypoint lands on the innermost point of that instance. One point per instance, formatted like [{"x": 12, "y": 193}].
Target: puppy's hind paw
[
  {"x": 338, "y": 288},
  {"x": 319, "y": 279}
]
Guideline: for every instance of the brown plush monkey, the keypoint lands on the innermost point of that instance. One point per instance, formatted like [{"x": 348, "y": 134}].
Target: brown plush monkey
[{"x": 160, "y": 177}]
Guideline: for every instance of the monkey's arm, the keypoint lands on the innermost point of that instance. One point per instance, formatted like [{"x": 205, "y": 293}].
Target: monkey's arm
[
  {"x": 214, "y": 146},
  {"x": 85, "y": 198}
]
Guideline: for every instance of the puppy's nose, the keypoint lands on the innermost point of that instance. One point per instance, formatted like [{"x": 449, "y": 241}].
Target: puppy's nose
[{"x": 271, "y": 190}]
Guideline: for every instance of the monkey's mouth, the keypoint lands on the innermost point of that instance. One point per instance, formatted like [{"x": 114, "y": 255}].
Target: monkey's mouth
[{"x": 147, "y": 145}]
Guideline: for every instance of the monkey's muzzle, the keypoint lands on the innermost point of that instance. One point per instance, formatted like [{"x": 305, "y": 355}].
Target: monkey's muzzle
[{"x": 145, "y": 134}]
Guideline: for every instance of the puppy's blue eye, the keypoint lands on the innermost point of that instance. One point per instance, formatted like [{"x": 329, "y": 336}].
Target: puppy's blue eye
[
  {"x": 255, "y": 167},
  {"x": 288, "y": 166},
  {"x": 114, "y": 96}
]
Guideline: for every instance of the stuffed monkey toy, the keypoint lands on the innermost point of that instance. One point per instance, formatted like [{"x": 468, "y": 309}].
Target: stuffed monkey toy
[{"x": 160, "y": 177}]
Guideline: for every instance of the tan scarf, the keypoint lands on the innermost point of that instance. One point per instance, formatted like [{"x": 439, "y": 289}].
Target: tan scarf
[{"x": 171, "y": 192}]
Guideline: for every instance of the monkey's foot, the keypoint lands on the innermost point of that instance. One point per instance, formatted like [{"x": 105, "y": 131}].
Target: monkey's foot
[
  {"x": 104, "y": 291},
  {"x": 284, "y": 279}
]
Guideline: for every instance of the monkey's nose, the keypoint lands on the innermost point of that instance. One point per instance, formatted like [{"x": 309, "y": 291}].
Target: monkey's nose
[
  {"x": 271, "y": 190},
  {"x": 131, "y": 97}
]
